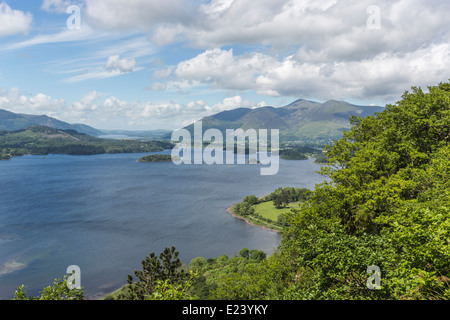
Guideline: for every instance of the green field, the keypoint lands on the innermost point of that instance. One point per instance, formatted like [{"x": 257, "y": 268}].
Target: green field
[{"x": 269, "y": 211}]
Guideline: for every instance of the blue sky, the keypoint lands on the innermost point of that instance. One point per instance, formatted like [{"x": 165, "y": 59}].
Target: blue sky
[{"x": 143, "y": 64}]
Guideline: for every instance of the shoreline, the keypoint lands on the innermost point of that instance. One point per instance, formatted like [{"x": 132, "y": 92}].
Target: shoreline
[{"x": 230, "y": 211}]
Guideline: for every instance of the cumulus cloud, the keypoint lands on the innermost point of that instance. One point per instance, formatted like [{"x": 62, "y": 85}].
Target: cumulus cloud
[
  {"x": 14, "y": 22},
  {"x": 87, "y": 103},
  {"x": 16, "y": 101},
  {"x": 114, "y": 63},
  {"x": 152, "y": 115},
  {"x": 113, "y": 112},
  {"x": 222, "y": 69},
  {"x": 340, "y": 25},
  {"x": 383, "y": 76},
  {"x": 233, "y": 103},
  {"x": 321, "y": 48}
]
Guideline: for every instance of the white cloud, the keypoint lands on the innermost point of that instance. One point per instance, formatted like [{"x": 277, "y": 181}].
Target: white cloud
[
  {"x": 16, "y": 101},
  {"x": 152, "y": 115},
  {"x": 58, "y": 6},
  {"x": 114, "y": 63},
  {"x": 336, "y": 28},
  {"x": 323, "y": 30},
  {"x": 85, "y": 33},
  {"x": 221, "y": 69},
  {"x": 14, "y": 22},
  {"x": 113, "y": 67},
  {"x": 163, "y": 73},
  {"x": 143, "y": 15},
  {"x": 92, "y": 75},
  {"x": 158, "y": 86},
  {"x": 383, "y": 76},
  {"x": 233, "y": 103},
  {"x": 115, "y": 113},
  {"x": 87, "y": 102},
  {"x": 166, "y": 34}
]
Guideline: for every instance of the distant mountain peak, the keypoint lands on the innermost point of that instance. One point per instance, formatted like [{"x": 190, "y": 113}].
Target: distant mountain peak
[{"x": 301, "y": 119}]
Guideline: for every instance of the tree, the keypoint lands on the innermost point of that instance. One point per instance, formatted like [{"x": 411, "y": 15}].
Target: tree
[
  {"x": 155, "y": 271},
  {"x": 58, "y": 291},
  {"x": 278, "y": 202},
  {"x": 251, "y": 199},
  {"x": 197, "y": 264},
  {"x": 165, "y": 290},
  {"x": 257, "y": 255},
  {"x": 245, "y": 253},
  {"x": 244, "y": 209}
]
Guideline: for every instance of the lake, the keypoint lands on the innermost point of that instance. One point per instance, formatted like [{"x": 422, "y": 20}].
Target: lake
[{"x": 106, "y": 213}]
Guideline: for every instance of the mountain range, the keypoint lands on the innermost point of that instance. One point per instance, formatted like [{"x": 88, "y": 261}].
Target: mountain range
[{"x": 300, "y": 120}]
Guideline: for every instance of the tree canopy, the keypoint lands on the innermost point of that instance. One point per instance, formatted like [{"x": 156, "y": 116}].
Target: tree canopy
[{"x": 386, "y": 204}]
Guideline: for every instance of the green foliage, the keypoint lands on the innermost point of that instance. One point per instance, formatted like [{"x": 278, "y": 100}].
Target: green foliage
[
  {"x": 243, "y": 209},
  {"x": 281, "y": 197},
  {"x": 58, "y": 291},
  {"x": 293, "y": 154},
  {"x": 224, "y": 278},
  {"x": 39, "y": 140},
  {"x": 166, "y": 290},
  {"x": 156, "y": 275},
  {"x": 288, "y": 195},
  {"x": 386, "y": 204},
  {"x": 156, "y": 158},
  {"x": 321, "y": 158},
  {"x": 251, "y": 200},
  {"x": 298, "y": 152}
]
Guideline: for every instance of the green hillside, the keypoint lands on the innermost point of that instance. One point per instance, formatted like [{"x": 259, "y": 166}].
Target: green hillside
[
  {"x": 40, "y": 140},
  {"x": 10, "y": 121},
  {"x": 301, "y": 120}
]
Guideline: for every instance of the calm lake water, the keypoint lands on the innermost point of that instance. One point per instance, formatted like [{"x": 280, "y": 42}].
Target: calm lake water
[{"x": 106, "y": 213}]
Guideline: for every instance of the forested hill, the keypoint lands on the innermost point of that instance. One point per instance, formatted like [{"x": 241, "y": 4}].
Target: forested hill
[
  {"x": 10, "y": 121},
  {"x": 41, "y": 140}
]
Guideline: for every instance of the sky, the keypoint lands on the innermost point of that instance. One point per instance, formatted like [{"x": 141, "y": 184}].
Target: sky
[{"x": 145, "y": 64}]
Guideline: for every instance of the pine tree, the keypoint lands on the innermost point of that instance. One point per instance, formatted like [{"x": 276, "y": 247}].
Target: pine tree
[{"x": 166, "y": 267}]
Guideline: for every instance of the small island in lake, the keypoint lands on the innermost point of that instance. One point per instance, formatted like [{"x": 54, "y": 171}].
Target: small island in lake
[{"x": 156, "y": 158}]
